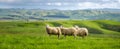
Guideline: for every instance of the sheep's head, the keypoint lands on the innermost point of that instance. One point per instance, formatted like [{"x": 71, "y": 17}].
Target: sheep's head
[
  {"x": 47, "y": 25},
  {"x": 61, "y": 26},
  {"x": 76, "y": 26}
]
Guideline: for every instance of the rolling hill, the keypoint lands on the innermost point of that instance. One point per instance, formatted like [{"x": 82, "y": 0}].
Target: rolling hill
[
  {"x": 103, "y": 34},
  {"x": 103, "y": 26},
  {"x": 94, "y": 27},
  {"x": 40, "y": 14}
]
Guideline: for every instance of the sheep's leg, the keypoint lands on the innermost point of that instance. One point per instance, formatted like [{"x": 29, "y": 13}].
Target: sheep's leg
[
  {"x": 65, "y": 36},
  {"x": 83, "y": 37},
  {"x": 79, "y": 37},
  {"x": 49, "y": 34},
  {"x": 74, "y": 36},
  {"x": 58, "y": 36}
]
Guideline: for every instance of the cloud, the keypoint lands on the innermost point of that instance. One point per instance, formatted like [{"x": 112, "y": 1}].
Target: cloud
[
  {"x": 110, "y": 5},
  {"x": 5, "y": 6},
  {"x": 55, "y": 4},
  {"x": 119, "y": 1},
  {"x": 49, "y": 3},
  {"x": 105, "y": 0},
  {"x": 60, "y": 3},
  {"x": 98, "y": 5},
  {"x": 87, "y": 4},
  {"x": 7, "y": 1}
]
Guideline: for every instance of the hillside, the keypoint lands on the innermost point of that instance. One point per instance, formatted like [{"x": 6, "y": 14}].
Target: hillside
[
  {"x": 103, "y": 34},
  {"x": 40, "y": 14},
  {"x": 94, "y": 27}
]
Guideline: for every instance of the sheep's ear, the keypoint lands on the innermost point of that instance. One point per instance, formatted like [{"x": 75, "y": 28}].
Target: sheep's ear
[
  {"x": 76, "y": 26},
  {"x": 61, "y": 26},
  {"x": 47, "y": 25}
]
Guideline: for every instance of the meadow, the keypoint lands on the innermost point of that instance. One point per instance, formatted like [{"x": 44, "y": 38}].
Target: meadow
[{"x": 103, "y": 34}]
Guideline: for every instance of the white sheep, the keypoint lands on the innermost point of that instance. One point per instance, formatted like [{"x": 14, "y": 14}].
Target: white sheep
[
  {"x": 68, "y": 31},
  {"x": 53, "y": 30},
  {"x": 81, "y": 31}
]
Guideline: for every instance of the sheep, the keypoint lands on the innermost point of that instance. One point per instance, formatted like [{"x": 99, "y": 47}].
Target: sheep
[
  {"x": 81, "y": 31},
  {"x": 53, "y": 30},
  {"x": 68, "y": 31}
]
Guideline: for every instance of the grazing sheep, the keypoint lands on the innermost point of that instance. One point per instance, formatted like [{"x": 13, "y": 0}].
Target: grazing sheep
[
  {"x": 81, "y": 31},
  {"x": 68, "y": 31},
  {"x": 53, "y": 30}
]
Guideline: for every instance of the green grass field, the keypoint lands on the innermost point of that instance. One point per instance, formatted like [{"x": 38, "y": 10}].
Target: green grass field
[{"x": 103, "y": 34}]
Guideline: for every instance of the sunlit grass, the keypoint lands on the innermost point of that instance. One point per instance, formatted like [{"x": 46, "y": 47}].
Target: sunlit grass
[
  {"x": 32, "y": 35},
  {"x": 20, "y": 41}
]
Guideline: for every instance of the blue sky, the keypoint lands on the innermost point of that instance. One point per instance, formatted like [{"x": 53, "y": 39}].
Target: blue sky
[{"x": 60, "y": 4}]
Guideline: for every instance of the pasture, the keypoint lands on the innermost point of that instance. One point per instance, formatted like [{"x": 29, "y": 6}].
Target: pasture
[{"x": 103, "y": 34}]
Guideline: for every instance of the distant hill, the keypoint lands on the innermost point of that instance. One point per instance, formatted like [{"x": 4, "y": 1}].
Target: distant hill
[{"x": 39, "y": 14}]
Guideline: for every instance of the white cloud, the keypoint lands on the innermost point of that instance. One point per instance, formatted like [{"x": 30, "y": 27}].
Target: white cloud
[
  {"x": 110, "y": 5},
  {"x": 8, "y": 1},
  {"x": 49, "y": 3},
  {"x": 65, "y": 3},
  {"x": 88, "y": 4},
  {"x": 5, "y": 6},
  {"x": 105, "y": 0},
  {"x": 58, "y": 4},
  {"x": 119, "y": 1},
  {"x": 55, "y": 4},
  {"x": 98, "y": 5}
]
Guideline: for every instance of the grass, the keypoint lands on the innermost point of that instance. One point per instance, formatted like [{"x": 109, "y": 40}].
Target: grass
[
  {"x": 32, "y": 35},
  {"x": 44, "y": 42}
]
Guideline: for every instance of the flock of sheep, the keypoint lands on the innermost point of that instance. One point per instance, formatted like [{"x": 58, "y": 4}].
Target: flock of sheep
[{"x": 75, "y": 31}]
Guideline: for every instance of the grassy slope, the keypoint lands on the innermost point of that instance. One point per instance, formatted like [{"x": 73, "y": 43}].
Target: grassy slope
[{"x": 32, "y": 35}]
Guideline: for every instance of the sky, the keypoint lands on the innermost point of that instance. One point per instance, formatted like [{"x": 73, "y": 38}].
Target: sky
[{"x": 60, "y": 4}]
